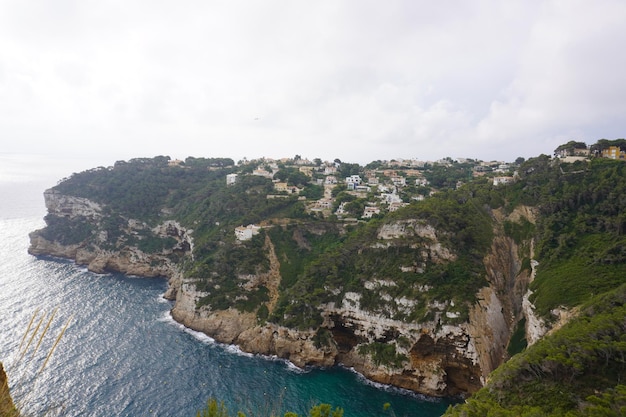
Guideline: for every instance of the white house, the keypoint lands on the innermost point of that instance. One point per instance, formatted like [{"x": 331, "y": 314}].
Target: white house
[
  {"x": 341, "y": 209},
  {"x": 390, "y": 198},
  {"x": 396, "y": 205},
  {"x": 323, "y": 204},
  {"x": 397, "y": 180},
  {"x": 370, "y": 211},
  {"x": 353, "y": 179},
  {"x": 262, "y": 172},
  {"x": 502, "y": 180},
  {"x": 231, "y": 179},
  {"x": 246, "y": 232},
  {"x": 421, "y": 182},
  {"x": 330, "y": 170}
]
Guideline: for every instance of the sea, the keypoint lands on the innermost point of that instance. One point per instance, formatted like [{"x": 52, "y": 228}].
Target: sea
[{"x": 75, "y": 343}]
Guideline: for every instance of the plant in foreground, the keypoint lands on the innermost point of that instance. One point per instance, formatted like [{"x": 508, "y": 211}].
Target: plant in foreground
[
  {"x": 32, "y": 340},
  {"x": 218, "y": 409}
]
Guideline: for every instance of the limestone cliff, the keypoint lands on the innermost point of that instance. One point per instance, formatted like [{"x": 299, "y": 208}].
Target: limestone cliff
[
  {"x": 100, "y": 253},
  {"x": 441, "y": 353},
  {"x": 434, "y": 358}
]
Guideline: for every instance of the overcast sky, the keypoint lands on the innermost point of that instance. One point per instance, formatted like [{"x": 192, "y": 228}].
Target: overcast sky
[{"x": 356, "y": 80}]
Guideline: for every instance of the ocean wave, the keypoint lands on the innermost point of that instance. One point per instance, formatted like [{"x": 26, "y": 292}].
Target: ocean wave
[
  {"x": 166, "y": 317},
  {"x": 291, "y": 367},
  {"x": 162, "y": 300},
  {"x": 202, "y": 337},
  {"x": 390, "y": 388},
  {"x": 236, "y": 350},
  {"x": 230, "y": 348}
]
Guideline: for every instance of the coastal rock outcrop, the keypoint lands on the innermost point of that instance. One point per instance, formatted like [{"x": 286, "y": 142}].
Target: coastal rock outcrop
[
  {"x": 440, "y": 355},
  {"x": 104, "y": 254}
]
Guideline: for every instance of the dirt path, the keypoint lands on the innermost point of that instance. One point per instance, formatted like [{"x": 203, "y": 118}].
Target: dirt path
[{"x": 273, "y": 276}]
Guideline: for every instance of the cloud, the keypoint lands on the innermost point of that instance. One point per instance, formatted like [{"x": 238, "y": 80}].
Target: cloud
[
  {"x": 567, "y": 82},
  {"x": 358, "y": 80}
]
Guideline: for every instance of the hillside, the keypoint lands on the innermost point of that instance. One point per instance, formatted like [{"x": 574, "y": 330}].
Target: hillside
[
  {"x": 577, "y": 371},
  {"x": 425, "y": 277}
]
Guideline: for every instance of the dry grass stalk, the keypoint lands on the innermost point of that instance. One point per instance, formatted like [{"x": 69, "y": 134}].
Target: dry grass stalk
[
  {"x": 30, "y": 340},
  {"x": 7, "y": 407},
  {"x": 56, "y": 342},
  {"x": 45, "y": 330},
  {"x": 30, "y": 323}
]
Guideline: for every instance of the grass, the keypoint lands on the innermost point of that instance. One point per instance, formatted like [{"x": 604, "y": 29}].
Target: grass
[
  {"x": 36, "y": 335},
  {"x": 571, "y": 282},
  {"x": 577, "y": 371},
  {"x": 218, "y": 409}
]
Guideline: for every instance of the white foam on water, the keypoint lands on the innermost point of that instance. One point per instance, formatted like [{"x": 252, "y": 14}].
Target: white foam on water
[
  {"x": 162, "y": 300},
  {"x": 230, "y": 348},
  {"x": 389, "y": 388}
]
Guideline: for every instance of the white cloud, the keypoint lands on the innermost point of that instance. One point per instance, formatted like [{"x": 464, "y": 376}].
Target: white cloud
[
  {"x": 358, "y": 80},
  {"x": 568, "y": 82}
]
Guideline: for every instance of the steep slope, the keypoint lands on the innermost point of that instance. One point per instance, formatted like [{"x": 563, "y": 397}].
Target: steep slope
[
  {"x": 432, "y": 297},
  {"x": 577, "y": 371}
]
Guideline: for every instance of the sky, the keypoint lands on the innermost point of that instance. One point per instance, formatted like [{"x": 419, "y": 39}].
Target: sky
[{"x": 99, "y": 81}]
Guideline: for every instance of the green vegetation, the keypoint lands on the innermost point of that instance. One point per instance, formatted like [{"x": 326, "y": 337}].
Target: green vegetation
[
  {"x": 570, "y": 147},
  {"x": 578, "y": 371},
  {"x": 218, "y": 409},
  {"x": 519, "y": 231},
  {"x": 518, "y": 340},
  {"x": 384, "y": 354},
  {"x": 435, "y": 256},
  {"x": 581, "y": 247},
  {"x": 65, "y": 231},
  {"x": 292, "y": 176},
  {"x": 447, "y": 176},
  {"x": 574, "y": 205}
]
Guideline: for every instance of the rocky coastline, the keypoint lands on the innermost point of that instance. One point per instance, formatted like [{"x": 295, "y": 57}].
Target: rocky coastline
[{"x": 442, "y": 360}]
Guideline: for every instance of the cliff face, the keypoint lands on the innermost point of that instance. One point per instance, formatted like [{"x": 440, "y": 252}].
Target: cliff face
[
  {"x": 433, "y": 357},
  {"x": 440, "y": 355},
  {"x": 103, "y": 254}
]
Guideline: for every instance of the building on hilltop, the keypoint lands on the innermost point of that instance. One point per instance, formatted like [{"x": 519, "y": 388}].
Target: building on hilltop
[
  {"x": 246, "y": 232},
  {"x": 370, "y": 211},
  {"x": 398, "y": 181},
  {"x": 396, "y": 205},
  {"x": 330, "y": 170},
  {"x": 323, "y": 204},
  {"x": 175, "y": 163},
  {"x": 353, "y": 179},
  {"x": 231, "y": 179},
  {"x": 502, "y": 180},
  {"x": 283, "y": 187},
  {"x": 421, "y": 182},
  {"x": 330, "y": 179},
  {"x": 613, "y": 152},
  {"x": 262, "y": 172}
]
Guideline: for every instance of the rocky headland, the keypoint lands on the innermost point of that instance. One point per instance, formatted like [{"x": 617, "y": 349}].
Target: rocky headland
[
  {"x": 412, "y": 277},
  {"x": 441, "y": 356}
]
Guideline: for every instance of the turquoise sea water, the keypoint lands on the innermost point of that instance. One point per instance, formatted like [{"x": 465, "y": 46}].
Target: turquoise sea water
[{"x": 122, "y": 354}]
